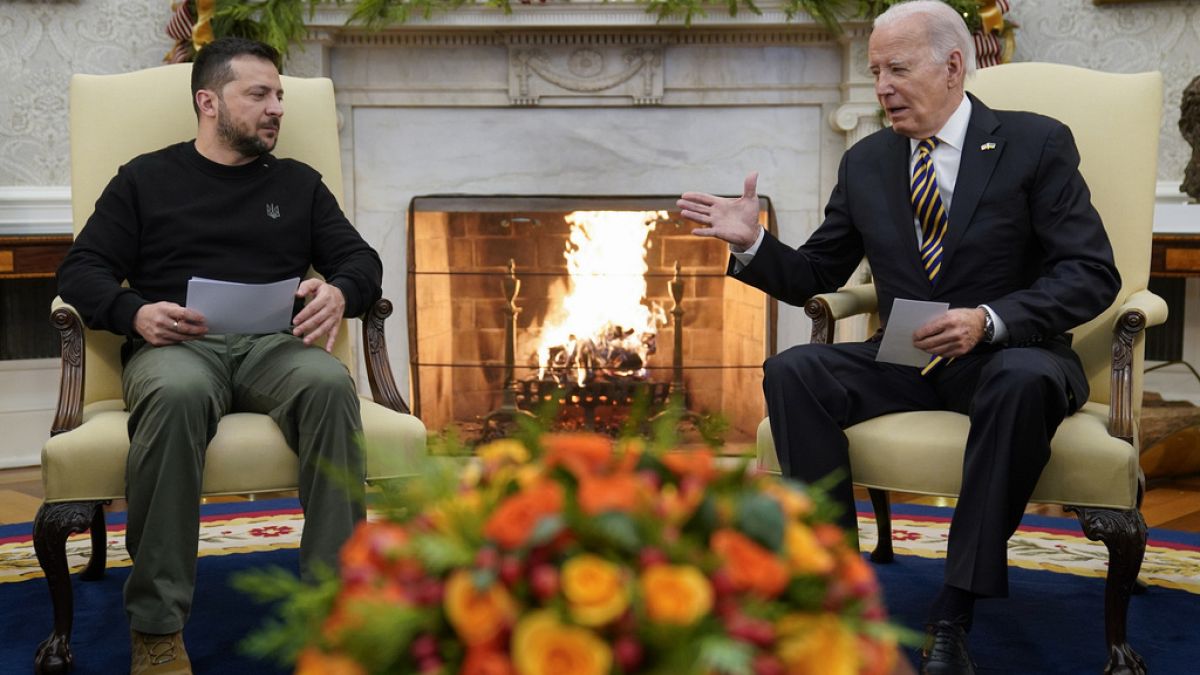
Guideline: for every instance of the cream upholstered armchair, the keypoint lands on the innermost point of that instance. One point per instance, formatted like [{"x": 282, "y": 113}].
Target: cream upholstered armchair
[
  {"x": 1093, "y": 467},
  {"x": 112, "y": 119}
]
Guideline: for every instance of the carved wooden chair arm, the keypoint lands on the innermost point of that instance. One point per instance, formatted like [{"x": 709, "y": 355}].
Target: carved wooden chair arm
[
  {"x": 69, "y": 412},
  {"x": 825, "y": 309},
  {"x": 1140, "y": 311},
  {"x": 379, "y": 368}
]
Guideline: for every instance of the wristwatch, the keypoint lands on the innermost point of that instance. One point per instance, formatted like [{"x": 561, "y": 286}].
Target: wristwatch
[{"x": 989, "y": 327}]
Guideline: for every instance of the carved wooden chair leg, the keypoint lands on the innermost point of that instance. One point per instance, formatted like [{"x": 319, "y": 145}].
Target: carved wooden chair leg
[
  {"x": 883, "y": 526},
  {"x": 95, "y": 568},
  {"x": 53, "y": 524},
  {"x": 1124, "y": 534}
]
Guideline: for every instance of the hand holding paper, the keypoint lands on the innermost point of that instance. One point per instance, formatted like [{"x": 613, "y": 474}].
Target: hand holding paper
[
  {"x": 251, "y": 309},
  {"x": 906, "y": 318}
]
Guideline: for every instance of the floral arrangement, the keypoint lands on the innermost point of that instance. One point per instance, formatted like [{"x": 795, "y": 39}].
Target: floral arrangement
[{"x": 577, "y": 554}]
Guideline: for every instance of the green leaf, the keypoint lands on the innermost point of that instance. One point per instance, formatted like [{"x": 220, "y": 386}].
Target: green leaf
[
  {"x": 761, "y": 518},
  {"x": 619, "y": 530},
  {"x": 723, "y": 654},
  {"x": 439, "y": 553},
  {"x": 546, "y": 529}
]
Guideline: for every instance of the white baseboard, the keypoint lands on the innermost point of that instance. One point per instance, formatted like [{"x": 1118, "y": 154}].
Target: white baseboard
[{"x": 28, "y": 395}]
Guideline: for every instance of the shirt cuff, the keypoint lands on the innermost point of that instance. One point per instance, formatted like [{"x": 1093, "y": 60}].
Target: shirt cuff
[
  {"x": 1001, "y": 334},
  {"x": 743, "y": 258}
]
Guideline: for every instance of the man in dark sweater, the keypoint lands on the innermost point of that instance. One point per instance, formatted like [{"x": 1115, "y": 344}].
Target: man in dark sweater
[{"x": 221, "y": 207}]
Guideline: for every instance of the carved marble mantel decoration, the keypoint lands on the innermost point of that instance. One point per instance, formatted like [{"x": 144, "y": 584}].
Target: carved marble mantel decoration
[{"x": 589, "y": 98}]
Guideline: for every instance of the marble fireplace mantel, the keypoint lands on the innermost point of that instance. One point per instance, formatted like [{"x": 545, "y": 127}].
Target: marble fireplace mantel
[{"x": 588, "y": 98}]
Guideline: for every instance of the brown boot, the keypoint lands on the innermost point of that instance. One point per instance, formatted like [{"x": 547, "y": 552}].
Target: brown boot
[{"x": 159, "y": 654}]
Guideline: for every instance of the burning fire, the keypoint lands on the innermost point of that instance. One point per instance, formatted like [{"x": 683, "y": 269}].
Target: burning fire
[{"x": 603, "y": 324}]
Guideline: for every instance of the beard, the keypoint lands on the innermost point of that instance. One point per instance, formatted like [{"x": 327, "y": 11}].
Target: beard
[{"x": 246, "y": 143}]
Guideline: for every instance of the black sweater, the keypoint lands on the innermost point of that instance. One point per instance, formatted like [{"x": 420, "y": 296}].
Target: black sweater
[{"x": 173, "y": 214}]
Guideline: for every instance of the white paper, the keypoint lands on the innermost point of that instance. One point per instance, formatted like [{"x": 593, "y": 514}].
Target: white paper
[
  {"x": 250, "y": 309},
  {"x": 906, "y": 317}
]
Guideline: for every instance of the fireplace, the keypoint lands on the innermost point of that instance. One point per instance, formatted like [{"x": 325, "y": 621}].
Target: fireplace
[
  {"x": 591, "y": 301},
  {"x": 589, "y": 97}
]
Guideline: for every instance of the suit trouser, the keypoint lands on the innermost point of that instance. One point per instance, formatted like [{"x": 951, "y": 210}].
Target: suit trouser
[
  {"x": 176, "y": 396},
  {"x": 1015, "y": 398}
]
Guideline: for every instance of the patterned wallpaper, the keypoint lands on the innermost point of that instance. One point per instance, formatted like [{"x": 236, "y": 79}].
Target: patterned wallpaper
[
  {"x": 1121, "y": 38},
  {"x": 42, "y": 43}
]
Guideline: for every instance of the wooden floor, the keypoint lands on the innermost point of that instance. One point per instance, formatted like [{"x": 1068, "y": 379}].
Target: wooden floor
[{"x": 1173, "y": 504}]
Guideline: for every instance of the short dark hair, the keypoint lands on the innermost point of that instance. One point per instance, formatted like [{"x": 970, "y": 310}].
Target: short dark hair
[{"x": 211, "y": 69}]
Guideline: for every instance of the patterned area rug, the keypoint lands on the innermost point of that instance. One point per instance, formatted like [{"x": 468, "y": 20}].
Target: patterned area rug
[{"x": 1043, "y": 543}]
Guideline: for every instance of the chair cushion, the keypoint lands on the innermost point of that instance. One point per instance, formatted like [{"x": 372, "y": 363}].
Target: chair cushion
[
  {"x": 247, "y": 455},
  {"x": 922, "y": 452}
]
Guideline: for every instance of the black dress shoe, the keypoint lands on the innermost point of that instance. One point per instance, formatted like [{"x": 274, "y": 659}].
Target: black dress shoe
[{"x": 945, "y": 650}]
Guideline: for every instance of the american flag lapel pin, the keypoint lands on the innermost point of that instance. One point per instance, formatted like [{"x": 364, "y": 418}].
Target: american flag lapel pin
[{"x": 988, "y": 146}]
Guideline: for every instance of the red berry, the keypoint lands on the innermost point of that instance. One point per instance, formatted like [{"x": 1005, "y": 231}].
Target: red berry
[
  {"x": 628, "y": 653},
  {"x": 424, "y": 647},
  {"x": 768, "y": 664},
  {"x": 510, "y": 570},
  {"x": 651, "y": 556},
  {"x": 543, "y": 579}
]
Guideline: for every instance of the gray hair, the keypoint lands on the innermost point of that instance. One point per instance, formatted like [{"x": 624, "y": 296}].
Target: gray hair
[{"x": 945, "y": 29}]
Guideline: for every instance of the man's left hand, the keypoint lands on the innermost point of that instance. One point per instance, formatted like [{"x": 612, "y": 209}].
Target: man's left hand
[
  {"x": 322, "y": 315},
  {"x": 952, "y": 334}
]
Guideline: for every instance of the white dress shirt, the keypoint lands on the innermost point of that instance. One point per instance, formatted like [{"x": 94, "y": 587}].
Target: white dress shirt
[{"x": 946, "y": 159}]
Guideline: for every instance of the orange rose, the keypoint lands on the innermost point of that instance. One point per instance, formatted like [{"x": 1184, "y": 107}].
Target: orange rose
[
  {"x": 486, "y": 661},
  {"x": 581, "y": 454},
  {"x": 750, "y": 566},
  {"x": 376, "y": 549},
  {"x": 677, "y": 505},
  {"x": 619, "y": 492},
  {"x": 513, "y": 520},
  {"x": 315, "y": 662},
  {"x": 699, "y": 464},
  {"x": 817, "y": 644},
  {"x": 676, "y": 594},
  {"x": 804, "y": 552},
  {"x": 543, "y": 646},
  {"x": 595, "y": 590},
  {"x": 477, "y": 615}
]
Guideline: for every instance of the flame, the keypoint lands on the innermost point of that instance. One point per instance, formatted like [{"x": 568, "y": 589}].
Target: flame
[{"x": 603, "y": 321}]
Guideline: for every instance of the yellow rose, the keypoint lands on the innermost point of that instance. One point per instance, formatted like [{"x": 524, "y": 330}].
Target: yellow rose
[
  {"x": 543, "y": 646},
  {"x": 816, "y": 644},
  {"x": 595, "y": 590},
  {"x": 477, "y": 615},
  {"x": 805, "y": 554},
  {"x": 506, "y": 450},
  {"x": 677, "y": 594}
]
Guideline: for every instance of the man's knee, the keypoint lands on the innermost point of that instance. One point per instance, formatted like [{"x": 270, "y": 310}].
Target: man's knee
[
  {"x": 1026, "y": 375},
  {"x": 791, "y": 363}
]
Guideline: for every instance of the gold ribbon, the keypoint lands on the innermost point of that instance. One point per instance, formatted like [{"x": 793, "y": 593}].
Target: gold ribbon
[
  {"x": 202, "y": 32},
  {"x": 992, "y": 16}
]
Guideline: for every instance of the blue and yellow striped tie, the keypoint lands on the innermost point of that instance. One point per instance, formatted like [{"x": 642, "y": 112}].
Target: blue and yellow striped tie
[{"x": 931, "y": 213}]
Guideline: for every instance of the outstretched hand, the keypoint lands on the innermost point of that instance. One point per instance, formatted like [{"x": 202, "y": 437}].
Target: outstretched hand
[
  {"x": 322, "y": 315},
  {"x": 734, "y": 221}
]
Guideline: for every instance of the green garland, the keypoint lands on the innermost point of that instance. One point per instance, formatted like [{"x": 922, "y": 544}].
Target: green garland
[{"x": 280, "y": 23}]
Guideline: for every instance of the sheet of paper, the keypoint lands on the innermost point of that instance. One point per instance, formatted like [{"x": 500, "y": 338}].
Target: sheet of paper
[
  {"x": 906, "y": 317},
  {"x": 252, "y": 309}
]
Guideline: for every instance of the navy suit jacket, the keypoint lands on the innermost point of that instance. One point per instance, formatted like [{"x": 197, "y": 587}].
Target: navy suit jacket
[{"x": 1023, "y": 236}]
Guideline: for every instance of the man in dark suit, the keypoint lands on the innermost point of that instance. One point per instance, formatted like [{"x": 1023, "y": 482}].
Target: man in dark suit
[{"x": 957, "y": 203}]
